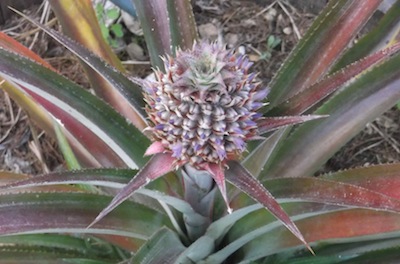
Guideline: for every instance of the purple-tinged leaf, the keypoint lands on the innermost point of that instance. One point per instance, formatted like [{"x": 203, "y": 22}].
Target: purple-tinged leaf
[
  {"x": 306, "y": 99},
  {"x": 128, "y": 91},
  {"x": 153, "y": 18},
  {"x": 272, "y": 123},
  {"x": 157, "y": 166},
  {"x": 242, "y": 179},
  {"x": 319, "y": 49}
]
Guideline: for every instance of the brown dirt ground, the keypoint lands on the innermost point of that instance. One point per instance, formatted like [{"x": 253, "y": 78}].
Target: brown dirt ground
[{"x": 25, "y": 148}]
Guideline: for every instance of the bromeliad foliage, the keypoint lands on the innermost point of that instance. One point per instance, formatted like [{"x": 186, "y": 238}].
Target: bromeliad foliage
[{"x": 201, "y": 110}]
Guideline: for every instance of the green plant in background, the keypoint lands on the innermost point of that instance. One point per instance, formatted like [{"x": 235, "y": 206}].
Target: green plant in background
[
  {"x": 202, "y": 110},
  {"x": 272, "y": 43},
  {"x": 114, "y": 31}
]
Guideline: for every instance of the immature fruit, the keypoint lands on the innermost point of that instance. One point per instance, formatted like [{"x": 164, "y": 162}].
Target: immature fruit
[{"x": 204, "y": 106}]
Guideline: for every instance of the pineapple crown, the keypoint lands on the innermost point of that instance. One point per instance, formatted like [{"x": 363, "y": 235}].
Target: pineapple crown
[{"x": 203, "y": 108}]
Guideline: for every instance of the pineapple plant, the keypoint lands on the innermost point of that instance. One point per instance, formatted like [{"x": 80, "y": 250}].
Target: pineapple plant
[{"x": 170, "y": 144}]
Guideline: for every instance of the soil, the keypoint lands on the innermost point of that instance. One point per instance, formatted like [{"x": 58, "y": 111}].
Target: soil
[{"x": 25, "y": 148}]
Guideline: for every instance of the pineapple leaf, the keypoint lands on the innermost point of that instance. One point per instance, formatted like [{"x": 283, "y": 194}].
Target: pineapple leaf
[
  {"x": 163, "y": 247},
  {"x": 102, "y": 120},
  {"x": 357, "y": 103},
  {"x": 304, "y": 100},
  {"x": 243, "y": 180},
  {"x": 314, "y": 56},
  {"x": 333, "y": 225},
  {"x": 182, "y": 24},
  {"x": 27, "y": 213},
  {"x": 383, "y": 35},
  {"x": 153, "y": 18},
  {"x": 158, "y": 165},
  {"x": 111, "y": 178},
  {"x": 89, "y": 247},
  {"x": 79, "y": 21},
  {"x": 335, "y": 192},
  {"x": 269, "y": 124},
  {"x": 130, "y": 91}
]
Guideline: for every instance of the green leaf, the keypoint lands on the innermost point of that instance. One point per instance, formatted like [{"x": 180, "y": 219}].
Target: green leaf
[
  {"x": 71, "y": 245},
  {"x": 117, "y": 30},
  {"x": 205, "y": 245},
  {"x": 104, "y": 31},
  {"x": 112, "y": 13},
  {"x": 163, "y": 247}
]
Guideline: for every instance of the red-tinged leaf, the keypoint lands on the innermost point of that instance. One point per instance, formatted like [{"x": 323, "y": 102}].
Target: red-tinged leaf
[
  {"x": 384, "y": 179},
  {"x": 319, "y": 49},
  {"x": 158, "y": 165},
  {"x": 79, "y": 21},
  {"x": 123, "y": 94},
  {"x": 8, "y": 178},
  {"x": 39, "y": 114},
  {"x": 72, "y": 212},
  {"x": 182, "y": 24},
  {"x": 153, "y": 18},
  {"x": 155, "y": 148},
  {"x": 11, "y": 44},
  {"x": 123, "y": 138},
  {"x": 112, "y": 178},
  {"x": 109, "y": 178},
  {"x": 217, "y": 173},
  {"x": 349, "y": 110},
  {"x": 272, "y": 123},
  {"x": 332, "y": 192},
  {"x": 243, "y": 180},
  {"x": 384, "y": 34},
  {"x": 306, "y": 99},
  {"x": 335, "y": 226}
]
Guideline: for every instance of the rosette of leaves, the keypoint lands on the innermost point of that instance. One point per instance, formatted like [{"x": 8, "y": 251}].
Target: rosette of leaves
[{"x": 115, "y": 204}]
